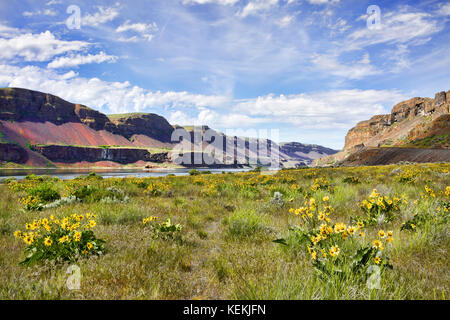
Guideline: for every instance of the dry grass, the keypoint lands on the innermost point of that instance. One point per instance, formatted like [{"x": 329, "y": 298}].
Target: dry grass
[{"x": 226, "y": 250}]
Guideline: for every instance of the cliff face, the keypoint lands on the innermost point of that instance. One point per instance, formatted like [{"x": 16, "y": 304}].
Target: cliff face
[
  {"x": 150, "y": 125},
  {"x": 12, "y": 153},
  {"x": 70, "y": 154},
  {"x": 22, "y": 105},
  {"x": 417, "y": 123},
  {"x": 407, "y": 121}
]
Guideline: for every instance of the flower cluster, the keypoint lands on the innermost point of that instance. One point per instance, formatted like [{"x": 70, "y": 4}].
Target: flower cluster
[
  {"x": 377, "y": 206},
  {"x": 314, "y": 212},
  {"x": 321, "y": 184},
  {"x": 432, "y": 217},
  {"x": 156, "y": 189},
  {"x": 66, "y": 238},
  {"x": 164, "y": 230}
]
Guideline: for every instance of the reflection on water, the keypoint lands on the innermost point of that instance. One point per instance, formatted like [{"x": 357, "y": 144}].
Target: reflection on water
[{"x": 66, "y": 174}]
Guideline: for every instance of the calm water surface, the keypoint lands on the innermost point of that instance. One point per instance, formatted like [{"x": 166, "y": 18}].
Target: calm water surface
[{"x": 66, "y": 174}]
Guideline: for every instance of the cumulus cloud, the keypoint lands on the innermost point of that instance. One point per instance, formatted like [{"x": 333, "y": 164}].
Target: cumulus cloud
[
  {"x": 109, "y": 97},
  {"x": 256, "y": 6},
  {"x": 145, "y": 31},
  {"x": 338, "y": 108},
  {"x": 333, "y": 109},
  {"x": 8, "y": 32},
  {"x": 355, "y": 70},
  {"x": 103, "y": 15},
  {"x": 444, "y": 9},
  {"x": 285, "y": 21},
  {"x": 76, "y": 60},
  {"x": 37, "y": 47}
]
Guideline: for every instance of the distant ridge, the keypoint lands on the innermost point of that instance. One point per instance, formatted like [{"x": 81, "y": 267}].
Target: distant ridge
[{"x": 41, "y": 129}]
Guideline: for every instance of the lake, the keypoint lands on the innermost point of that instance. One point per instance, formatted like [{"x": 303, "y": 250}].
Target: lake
[{"x": 67, "y": 174}]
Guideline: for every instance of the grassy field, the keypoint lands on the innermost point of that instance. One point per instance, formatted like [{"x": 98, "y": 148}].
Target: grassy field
[{"x": 295, "y": 234}]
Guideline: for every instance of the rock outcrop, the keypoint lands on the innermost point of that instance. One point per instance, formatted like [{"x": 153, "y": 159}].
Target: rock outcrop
[
  {"x": 150, "y": 125},
  {"x": 416, "y": 123},
  {"x": 18, "y": 104},
  {"x": 394, "y": 128},
  {"x": 72, "y": 154},
  {"x": 12, "y": 153}
]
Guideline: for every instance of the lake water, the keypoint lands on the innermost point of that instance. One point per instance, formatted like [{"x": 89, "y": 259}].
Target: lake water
[{"x": 66, "y": 174}]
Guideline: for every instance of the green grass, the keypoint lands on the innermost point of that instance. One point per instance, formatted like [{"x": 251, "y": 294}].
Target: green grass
[
  {"x": 226, "y": 249},
  {"x": 431, "y": 141}
]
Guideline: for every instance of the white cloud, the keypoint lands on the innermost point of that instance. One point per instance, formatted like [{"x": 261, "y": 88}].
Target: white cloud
[
  {"x": 103, "y": 15},
  {"x": 137, "y": 27},
  {"x": 444, "y": 9},
  {"x": 333, "y": 109},
  {"x": 402, "y": 27},
  {"x": 339, "y": 108},
  {"x": 8, "y": 32},
  {"x": 52, "y": 2},
  {"x": 145, "y": 31},
  {"x": 285, "y": 21},
  {"x": 255, "y": 6},
  {"x": 37, "y": 47},
  {"x": 108, "y": 97},
  {"x": 356, "y": 70},
  {"x": 322, "y": 1},
  {"x": 46, "y": 12},
  {"x": 76, "y": 60}
]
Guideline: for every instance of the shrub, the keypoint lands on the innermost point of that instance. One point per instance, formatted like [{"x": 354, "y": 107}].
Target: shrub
[
  {"x": 351, "y": 180},
  {"x": 64, "y": 240},
  {"x": 44, "y": 193},
  {"x": 84, "y": 192},
  {"x": 321, "y": 184},
  {"x": 335, "y": 249},
  {"x": 194, "y": 172},
  {"x": 277, "y": 199},
  {"x": 156, "y": 189},
  {"x": 165, "y": 230},
  {"x": 245, "y": 224},
  {"x": 407, "y": 177},
  {"x": 427, "y": 213}
]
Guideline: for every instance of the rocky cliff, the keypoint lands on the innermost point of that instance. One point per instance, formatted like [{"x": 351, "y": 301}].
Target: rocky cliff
[
  {"x": 416, "y": 123},
  {"x": 148, "y": 124},
  {"x": 407, "y": 121},
  {"x": 22, "y": 105}
]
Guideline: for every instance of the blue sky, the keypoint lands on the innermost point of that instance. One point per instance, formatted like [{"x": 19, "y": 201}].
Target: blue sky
[{"x": 310, "y": 68}]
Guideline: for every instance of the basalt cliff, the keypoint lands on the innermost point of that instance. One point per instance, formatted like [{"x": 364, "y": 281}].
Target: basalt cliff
[
  {"x": 416, "y": 130},
  {"x": 42, "y": 130}
]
